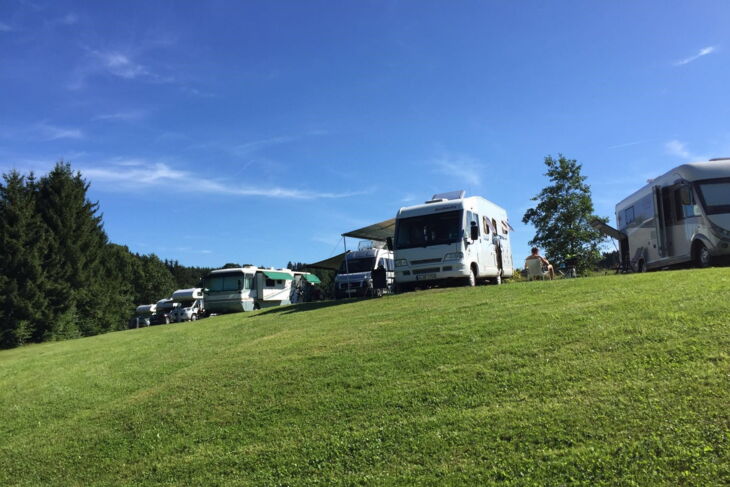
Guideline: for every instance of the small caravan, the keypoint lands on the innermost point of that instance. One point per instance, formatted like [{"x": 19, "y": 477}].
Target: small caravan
[
  {"x": 452, "y": 238},
  {"x": 190, "y": 305},
  {"x": 354, "y": 277},
  {"x": 681, "y": 216}
]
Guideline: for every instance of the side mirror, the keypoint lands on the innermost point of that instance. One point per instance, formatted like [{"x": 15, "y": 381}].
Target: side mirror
[
  {"x": 474, "y": 231},
  {"x": 389, "y": 243}
]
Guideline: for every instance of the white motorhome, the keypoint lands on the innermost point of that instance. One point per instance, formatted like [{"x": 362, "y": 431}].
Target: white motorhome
[
  {"x": 246, "y": 288},
  {"x": 354, "y": 277},
  {"x": 452, "y": 238},
  {"x": 681, "y": 216},
  {"x": 191, "y": 305}
]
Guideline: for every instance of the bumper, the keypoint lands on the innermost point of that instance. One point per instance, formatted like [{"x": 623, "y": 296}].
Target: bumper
[{"x": 416, "y": 276}]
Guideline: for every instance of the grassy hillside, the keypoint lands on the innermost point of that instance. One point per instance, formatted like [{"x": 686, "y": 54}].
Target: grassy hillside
[{"x": 622, "y": 380}]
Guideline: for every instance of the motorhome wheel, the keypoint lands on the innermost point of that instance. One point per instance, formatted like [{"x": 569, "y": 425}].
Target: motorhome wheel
[
  {"x": 702, "y": 255},
  {"x": 194, "y": 317},
  {"x": 472, "y": 277}
]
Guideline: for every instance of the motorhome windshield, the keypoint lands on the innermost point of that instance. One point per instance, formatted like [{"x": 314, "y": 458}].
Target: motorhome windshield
[
  {"x": 233, "y": 281},
  {"x": 426, "y": 230},
  {"x": 715, "y": 195},
  {"x": 364, "y": 264}
]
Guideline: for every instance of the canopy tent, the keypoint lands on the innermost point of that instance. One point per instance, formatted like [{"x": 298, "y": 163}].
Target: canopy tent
[
  {"x": 378, "y": 231},
  {"x": 332, "y": 263}
]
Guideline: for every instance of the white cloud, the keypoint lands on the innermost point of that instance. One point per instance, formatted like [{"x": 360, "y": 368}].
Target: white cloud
[
  {"x": 122, "y": 116},
  {"x": 702, "y": 52},
  {"x": 121, "y": 64},
  {"x": 460, "y": 167},
  {"x": 5, "y": 27},
  {"x": 139, "y": 174},
  {"x": 677, "y": 148},
  {"x": 52, "y": 132}
]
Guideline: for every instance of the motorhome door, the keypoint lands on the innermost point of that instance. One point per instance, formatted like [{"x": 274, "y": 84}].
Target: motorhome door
[{"x": 659, "y": 221}]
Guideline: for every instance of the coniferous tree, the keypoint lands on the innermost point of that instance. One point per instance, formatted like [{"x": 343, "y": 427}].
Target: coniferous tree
[
  {"x": 24, "y": 306},
  {"x": 74, "y": 259}
]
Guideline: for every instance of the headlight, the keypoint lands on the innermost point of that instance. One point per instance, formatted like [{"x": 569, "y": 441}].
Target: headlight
[
  {"x": 401, "y": 263},
  {"x": 454, "y": 256}
]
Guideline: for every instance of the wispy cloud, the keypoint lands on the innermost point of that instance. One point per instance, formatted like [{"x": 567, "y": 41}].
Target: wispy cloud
[
  {"x": 68, "y": 19},
  {"x": 679, "y": 149},
  {"x": 121, "y": 64},
  {"x": 52, "y": 132},
  {"x": 702, "y": 52},
  {"x": 122, "y": 116},
  {"x": 140, "y": 174},
  {"x": 5, "y": 27},
  {"x": 114, "y": 62},
  {"x": 627, "y": 144},
  {"x": 460, "y": 167}
]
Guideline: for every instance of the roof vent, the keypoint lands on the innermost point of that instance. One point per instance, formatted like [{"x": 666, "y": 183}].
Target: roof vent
[
  {"x": 451, "y": 195},
  {"x": 720, "y": 159}
]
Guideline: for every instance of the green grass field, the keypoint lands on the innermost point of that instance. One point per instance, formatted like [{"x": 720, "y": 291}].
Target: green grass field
[{"x": 617, "y": 380}]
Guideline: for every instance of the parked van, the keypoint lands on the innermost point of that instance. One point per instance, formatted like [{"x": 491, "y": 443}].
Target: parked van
[
  {"x": 354, "y": 277},
  {"x": 451, "y": 238},
  {"x": 682, "y": 216},
  {"x": 190, "y": 305}
]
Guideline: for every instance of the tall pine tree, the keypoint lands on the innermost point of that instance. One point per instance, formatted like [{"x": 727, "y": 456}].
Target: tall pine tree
[
  {"x": 74, "y": 259},
  {"x": 25, "y": 310}
]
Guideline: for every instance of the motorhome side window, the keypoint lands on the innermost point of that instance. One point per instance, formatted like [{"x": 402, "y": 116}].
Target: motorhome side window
[
  {"x": 485, "y": 225},
  {"x": 629, "y": 215},
  {"x": 270, "y": 283},
  {"x": 685, "y": 203}
]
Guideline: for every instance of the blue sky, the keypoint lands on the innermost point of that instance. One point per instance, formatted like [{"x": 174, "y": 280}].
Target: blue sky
[{"x": 258, "y": 132}]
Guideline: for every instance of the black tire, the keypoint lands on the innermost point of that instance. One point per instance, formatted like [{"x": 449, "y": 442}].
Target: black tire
[
  {"x": 702, "y": 257},
  {"x": 471, "y": 281},
  {"x": 194, "y": 317}
]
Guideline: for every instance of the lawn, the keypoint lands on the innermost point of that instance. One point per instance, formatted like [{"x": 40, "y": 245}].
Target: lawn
[{"x": 616, "y": 380}]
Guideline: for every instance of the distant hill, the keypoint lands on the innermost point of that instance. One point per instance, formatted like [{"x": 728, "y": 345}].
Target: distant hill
[{"x": 618, "y": 380}]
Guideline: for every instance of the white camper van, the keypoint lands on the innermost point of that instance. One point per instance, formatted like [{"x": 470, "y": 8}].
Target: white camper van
[
  {"x": 190, "y": 306},
  {"x": 246, "y": 288},
  {"x": 452, "y": 238},
  {"x": 681, "y": 216},
  {"x": 354, "y": 277}
]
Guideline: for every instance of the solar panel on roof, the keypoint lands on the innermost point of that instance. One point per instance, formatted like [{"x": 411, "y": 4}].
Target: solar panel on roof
[{"x": 450, "y": 195}]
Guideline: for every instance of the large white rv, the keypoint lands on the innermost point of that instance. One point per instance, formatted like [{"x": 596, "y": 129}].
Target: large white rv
[
  {"x": 681, "y": 216},
  {"x": 452, "y": 238},
  {"x": 248, "y": 288},
  {"x": 354, "y": 277}
]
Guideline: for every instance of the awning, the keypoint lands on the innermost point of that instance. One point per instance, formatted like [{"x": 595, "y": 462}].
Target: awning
[
  {"x": 332, "y": 263},
  {"x": 607, "y": 229},
  {"x": 379, "y": 231},
  {"x": 278, "y": 275},
  {"x": 312, "y": 278}
]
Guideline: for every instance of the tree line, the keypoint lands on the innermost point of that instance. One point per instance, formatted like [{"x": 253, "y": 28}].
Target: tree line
[{"x": 60, "y": 277}]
